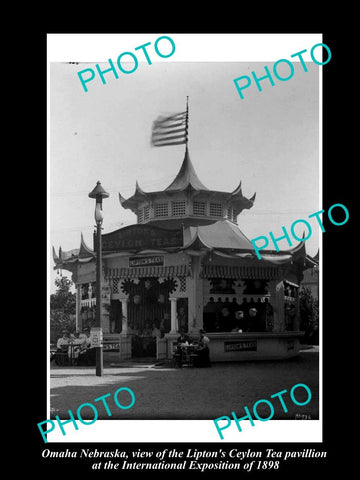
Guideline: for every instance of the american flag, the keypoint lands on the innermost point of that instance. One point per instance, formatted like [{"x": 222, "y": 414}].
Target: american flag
[{"x": 170, "y": 130}]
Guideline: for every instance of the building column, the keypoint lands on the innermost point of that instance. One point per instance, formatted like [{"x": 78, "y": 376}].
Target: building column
[
  {"x": 124, "y": 314},
  {"x": 196, "y": 297},
  {"x": 174, "y": 325},
  {"x": 297, "y": 310},
  {"x": 276, "y": 289},
  {"x": 78, "y": 320},
  {"x": 125, "y": 339}
]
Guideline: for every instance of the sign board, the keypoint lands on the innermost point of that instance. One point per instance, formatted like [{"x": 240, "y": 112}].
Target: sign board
[
  {"x": 96, "y": 337},
  {"x": 155, "y": 260},
  {"x": 244, "y": 345},
  {"x": 111, "y": 347},
  {"x": 140, "y": 237},
  {"x": 105, "y": 299}
]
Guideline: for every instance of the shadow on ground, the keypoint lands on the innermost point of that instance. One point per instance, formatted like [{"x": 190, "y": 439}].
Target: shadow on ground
[{"x": 164, "y": 392}]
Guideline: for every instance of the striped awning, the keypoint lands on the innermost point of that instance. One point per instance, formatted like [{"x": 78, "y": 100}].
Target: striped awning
[
  {"x": 239, "y": 272},
  {"x": 150, "y": 271}
]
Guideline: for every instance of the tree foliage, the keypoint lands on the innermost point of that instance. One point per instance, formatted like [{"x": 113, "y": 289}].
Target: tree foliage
[
  {"x": 62, "y": 308},
  {"x": 309, "y": 315}
]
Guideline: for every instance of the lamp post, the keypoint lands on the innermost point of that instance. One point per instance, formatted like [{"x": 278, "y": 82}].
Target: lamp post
[{"x": 98, "y": 193}]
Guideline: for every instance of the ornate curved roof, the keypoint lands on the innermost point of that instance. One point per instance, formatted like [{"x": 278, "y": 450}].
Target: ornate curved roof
[
  {"x": 186, "y": 177},
  {"x": 187, "y": 186},
  {"x": 82, "y": 254}
]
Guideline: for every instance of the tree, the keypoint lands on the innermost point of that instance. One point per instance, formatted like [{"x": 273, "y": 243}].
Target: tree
[
  {"x": 62, "y": 308},
  {"x": 309, "y": 316}
]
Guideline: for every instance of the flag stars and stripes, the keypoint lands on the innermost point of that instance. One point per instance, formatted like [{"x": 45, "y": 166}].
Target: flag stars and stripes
[{"x": 170, "y": 130}]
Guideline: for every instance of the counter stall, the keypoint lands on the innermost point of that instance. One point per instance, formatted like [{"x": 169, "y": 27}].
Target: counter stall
[{"x": 248, "y": 346}]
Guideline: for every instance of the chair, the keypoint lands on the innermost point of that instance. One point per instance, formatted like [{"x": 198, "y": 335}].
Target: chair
[{"x": 61, "y": 356}]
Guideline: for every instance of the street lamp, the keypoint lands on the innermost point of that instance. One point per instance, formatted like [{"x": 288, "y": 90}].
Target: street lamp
[{"x": 98, "y": 193}]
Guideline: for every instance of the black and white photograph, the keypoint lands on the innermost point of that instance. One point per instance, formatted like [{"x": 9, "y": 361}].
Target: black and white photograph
[{"x": 185, "y": 234}]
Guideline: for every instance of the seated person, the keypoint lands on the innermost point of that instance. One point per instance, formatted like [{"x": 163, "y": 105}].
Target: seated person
[
  {"x": 75, "y": 346},
  {"x": 203, "y": 358},
  {"x": 181, "y": 351},
  {"x": 62, "y": 345},
  {"x": 87, "y": 354},
  {"x": 52, "y": 351},
  {"x": 183, "y": 338},
  {"x": 64, "y": 340},
  {"x": 236, "y": 329}
]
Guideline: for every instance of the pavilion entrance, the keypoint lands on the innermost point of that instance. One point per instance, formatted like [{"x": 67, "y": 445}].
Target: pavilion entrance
[{"x": 148, "y": 313}]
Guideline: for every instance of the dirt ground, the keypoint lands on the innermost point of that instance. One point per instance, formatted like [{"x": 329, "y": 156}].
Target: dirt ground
[{"x": 164, "y": 392}]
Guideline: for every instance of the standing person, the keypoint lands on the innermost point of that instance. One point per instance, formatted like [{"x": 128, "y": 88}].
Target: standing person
[
  {"x": 203, "y": 359},
  {"x": 226, "y": 320},
  {"x": 147, "y": 329},
  {"x": 234, "y": 306},
  {"x": 155, "y": 331},
  {"x": 267, "y": 316},
  {"x": 209, "y": 315},
  {"x": 162, "y": 328},
  {"x": 253, "y": 320},
  {"x": 182, "y": 319},
  {"x": 155, "y": 334},
  {"x": 240, "y": 324},
  {"x": 165, "y": 323}
]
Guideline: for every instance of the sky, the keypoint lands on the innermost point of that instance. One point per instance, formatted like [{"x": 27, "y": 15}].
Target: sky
[{"x": 269, "y": 140}]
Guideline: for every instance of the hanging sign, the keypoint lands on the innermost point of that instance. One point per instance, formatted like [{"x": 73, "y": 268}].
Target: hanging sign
[
  {"x": 155, "y": 260},
  {"x": 240, "y": 346},
  {"x": 96, "y": 337},
  {"x": 105, "y": 298},
  {"x": 140, "y": 237}
]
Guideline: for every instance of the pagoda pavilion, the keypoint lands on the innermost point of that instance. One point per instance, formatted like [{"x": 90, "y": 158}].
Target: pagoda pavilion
[{"x": 186, "y": 265}]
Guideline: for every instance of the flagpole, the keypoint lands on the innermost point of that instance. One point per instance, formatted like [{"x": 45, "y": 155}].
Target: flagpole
[{"x": 187, "y": 122}]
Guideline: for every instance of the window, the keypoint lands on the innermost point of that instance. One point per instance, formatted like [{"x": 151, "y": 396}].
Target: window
[
  {"x": 146, "y": 213},
  {"x": 140, "y": 215},
  {"x": 229, "y": 213},
  {"x": 215, "y": 209},
  {"x": 178, "y": 209},
  {"x": 199, "y": 208},
  {"x": 115, "y": 285},
  {"x": 182, "y": 284},
  {"x": 161, "y": 209}
]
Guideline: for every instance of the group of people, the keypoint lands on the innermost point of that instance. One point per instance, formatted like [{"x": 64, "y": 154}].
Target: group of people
[
  {"x": 192, "y": 352},
  {"x": 229, "y": 316},
  {"x": 154, "y": 329},
  {"x": 143, "y": 340},
  {"x": 74, "y": 349}
]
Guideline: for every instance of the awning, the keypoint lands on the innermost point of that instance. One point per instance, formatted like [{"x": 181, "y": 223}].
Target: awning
[
  {"x": 291, "y": 283},
  {"x": 151, "y": 271},
  {"x": 239, "y": 272}
]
